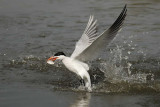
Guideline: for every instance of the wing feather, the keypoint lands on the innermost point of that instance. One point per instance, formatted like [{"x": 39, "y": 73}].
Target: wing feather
[
  {"x": 89, "y": 35},
  {"x": 92, "y": 51}
]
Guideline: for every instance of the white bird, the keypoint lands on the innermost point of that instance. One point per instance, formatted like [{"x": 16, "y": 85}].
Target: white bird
[{"x": 88, "y": 47}]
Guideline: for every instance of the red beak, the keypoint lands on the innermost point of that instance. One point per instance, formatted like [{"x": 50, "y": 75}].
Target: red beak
[{"x": 52, "y": 58}]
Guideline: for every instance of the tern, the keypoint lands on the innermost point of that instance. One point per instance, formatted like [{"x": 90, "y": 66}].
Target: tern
[{"x": 88, "y": 47}]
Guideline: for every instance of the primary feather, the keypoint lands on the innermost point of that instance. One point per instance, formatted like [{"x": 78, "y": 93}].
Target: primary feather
[
  {"x": 89, "y": 35},
  {"x": 86, "y": 50}
]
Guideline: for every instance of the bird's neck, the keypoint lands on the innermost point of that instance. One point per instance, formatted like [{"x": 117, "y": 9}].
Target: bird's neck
[{"x": 61, "y": 57}]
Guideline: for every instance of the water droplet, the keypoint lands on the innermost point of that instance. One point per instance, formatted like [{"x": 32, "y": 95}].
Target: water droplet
[
  {"x": 126, "y": 57},
  {"x": 129, "y": 52}
]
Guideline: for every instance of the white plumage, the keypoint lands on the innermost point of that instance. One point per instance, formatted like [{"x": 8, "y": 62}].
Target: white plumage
[{"x": 88, "y": 47}]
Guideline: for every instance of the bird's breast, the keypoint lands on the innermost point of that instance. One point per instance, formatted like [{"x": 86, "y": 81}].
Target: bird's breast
[{"x": 74, "y": 65}]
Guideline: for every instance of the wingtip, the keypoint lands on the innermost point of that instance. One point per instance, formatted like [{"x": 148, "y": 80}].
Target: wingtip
[{"x": 125, "y": 7}]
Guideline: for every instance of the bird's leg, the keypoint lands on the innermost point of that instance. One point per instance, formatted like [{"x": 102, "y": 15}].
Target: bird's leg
[
  {"x": 85, "y": 80},
  {"x": 82, "y": 82}
]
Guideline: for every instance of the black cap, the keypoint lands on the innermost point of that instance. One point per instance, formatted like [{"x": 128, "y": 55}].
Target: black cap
[{"x": 59, "y": 53}]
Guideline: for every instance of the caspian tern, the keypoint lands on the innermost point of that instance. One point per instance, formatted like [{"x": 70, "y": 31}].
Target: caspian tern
[{"x": 88, "y": 47}]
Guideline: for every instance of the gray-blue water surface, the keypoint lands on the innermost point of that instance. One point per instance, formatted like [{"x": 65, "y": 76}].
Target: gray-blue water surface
[{"x": 126, "y": 74}]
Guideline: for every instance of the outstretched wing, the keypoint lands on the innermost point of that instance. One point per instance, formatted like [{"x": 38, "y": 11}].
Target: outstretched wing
[
  {"x": 89, "y": 35},
  {"x": 92, "y": 51}
]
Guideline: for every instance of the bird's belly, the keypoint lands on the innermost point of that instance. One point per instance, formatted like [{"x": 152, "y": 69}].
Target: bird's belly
[{"x": 74, "y": 67}]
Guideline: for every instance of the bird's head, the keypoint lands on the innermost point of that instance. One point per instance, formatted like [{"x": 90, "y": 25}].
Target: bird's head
[{"x": 58, "y": 55}]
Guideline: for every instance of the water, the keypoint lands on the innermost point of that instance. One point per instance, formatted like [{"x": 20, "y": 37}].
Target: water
[{"x": 127, "y": 73}]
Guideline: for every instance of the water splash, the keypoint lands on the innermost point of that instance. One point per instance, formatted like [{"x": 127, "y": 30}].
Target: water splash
[
  {"x": 118, "y": 64},
  {"x": 122, "y": 71}
]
